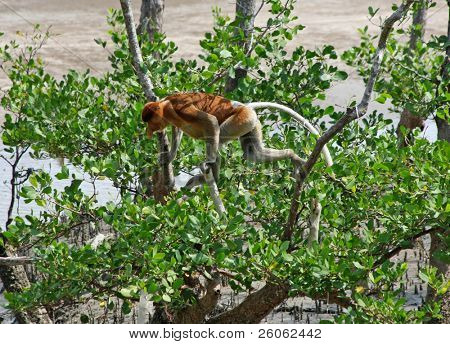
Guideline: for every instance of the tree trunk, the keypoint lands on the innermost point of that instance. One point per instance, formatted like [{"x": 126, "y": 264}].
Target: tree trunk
[
  {"x": 409, "y": 120},
  {"x": 164, "y": 177},
  {"x": 245, "y": 15},
  {"x": 443, "y": 129},
  {"x": 151, "y": 19},
  {"x": 256, "y": 306},
  {"x": 15, "y": 280},
  {"x": 418, "y": 24}
]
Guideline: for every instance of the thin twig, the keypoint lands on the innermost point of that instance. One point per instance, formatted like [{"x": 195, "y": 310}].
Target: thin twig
[{"x": 396, "y": 250}]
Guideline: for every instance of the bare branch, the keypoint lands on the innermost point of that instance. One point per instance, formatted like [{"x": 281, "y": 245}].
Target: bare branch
[
  {"x": 138, "y": 63},
  {"x": 165, "y": 179},
  {"x": 13, "y": 261},
  {"x": 351, "y": 114},
  {"x": 213, "y": 190}
]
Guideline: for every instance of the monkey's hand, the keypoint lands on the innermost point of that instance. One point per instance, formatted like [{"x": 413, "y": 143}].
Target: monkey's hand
[{"x": 207, "y": 167}]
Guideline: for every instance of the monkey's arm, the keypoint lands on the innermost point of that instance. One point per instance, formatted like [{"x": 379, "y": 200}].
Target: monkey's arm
[
  {"x": 177, "y": 134},
  {"x": 203, "y": 126}
]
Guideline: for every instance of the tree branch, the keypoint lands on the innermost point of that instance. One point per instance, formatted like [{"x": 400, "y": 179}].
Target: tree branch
[
  {"x": 166, "y": 180},
  {"x": 314, "y": 221},
  {"x": 351, "y": 114},
  {"x": 135, "y": 50},
  {"x": 260, "y": 303},
  {"x": 396, "y": 250},
  {"x": 14, "y": 261},
  {"x": 196, "y": 313}
]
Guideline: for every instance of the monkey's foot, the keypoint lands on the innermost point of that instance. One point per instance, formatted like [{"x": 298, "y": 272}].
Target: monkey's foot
[{"x": 196, "y": 180}]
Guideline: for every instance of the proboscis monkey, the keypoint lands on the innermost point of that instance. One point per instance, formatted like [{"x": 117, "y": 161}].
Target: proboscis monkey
[{"x": 215, "y": 120}]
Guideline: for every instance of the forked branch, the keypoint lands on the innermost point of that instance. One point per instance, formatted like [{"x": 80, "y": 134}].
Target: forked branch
[{"x": 352, "y": 113}]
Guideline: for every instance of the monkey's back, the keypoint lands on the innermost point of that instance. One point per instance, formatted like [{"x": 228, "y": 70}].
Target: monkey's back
[{"x": 215, "y": 105}]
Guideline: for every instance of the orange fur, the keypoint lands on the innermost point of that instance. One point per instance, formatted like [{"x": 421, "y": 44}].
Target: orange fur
[{"x": 188, "y": 112}]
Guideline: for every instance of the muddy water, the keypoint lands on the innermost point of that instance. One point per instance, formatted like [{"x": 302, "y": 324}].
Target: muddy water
[{"x": 77, "y": 23}]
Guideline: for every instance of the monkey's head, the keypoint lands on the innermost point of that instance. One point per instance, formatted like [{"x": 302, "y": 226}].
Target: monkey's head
[{"x": 153, "y": 115}]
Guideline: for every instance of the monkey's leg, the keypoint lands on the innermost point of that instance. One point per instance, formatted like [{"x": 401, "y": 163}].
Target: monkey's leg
[
  {"x": 254, "y": 150},
  {"x": 235, "y": 126},
  {"x": 241, "y": 123},
  {"x": 199, "y": 179},
  {"x": 211, "y": 137}
]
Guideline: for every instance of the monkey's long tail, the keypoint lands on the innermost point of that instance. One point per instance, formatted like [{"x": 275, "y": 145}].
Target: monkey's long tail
[{"x": 303, "y": 121}]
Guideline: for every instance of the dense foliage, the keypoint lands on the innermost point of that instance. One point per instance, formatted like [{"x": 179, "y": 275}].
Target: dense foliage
[
  {"x": 375, "y": 198},
  {"x": 411, "y": 78}
]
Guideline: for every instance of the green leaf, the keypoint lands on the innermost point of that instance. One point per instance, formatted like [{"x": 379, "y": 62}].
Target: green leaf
[
  {"x": 287, "y": 257},
  {"x": 260, "y": 51},
  {"x": 284, "y": 246},
  {"x": 424, "y": 277},
  {"x": 340, "y": 75},
  {"x": 225, "y": 54},
  {"x": 152, "y": 287},
  {"x": 159, "y": 256},
  {"x": 358, "y": 265},
  {"x": 125, "y": 292},
  {"x": 361, "y": 302},
  {"x": 177, "y": 283},
  {"x": 29, "y": 192},
  {"x": 220, "y": 256},
  {"x": 126, "y": 307},
  {"x": 64, "y": 174},
  {"x": 146, "y": 210},
  {"x": 33, "y": 180}
]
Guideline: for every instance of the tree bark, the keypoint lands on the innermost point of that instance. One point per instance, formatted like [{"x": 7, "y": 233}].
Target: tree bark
[
  {"x": 196, "y": 313},
  {"x": 437, "y": 244},
  {"x": 14, "y": 261},
  {"x": 245, "y": 15},
  {"x": 256, "y": 306},
  {"x": 408, "y": 120},
  {"x": 165, "y": 181},
  {"x": 151, "y": 19}
]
